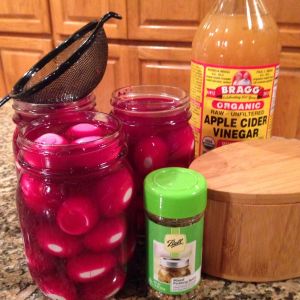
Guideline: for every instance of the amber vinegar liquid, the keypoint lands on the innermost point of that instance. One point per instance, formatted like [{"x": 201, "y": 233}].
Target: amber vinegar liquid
[{"x": 236, "y": 44}]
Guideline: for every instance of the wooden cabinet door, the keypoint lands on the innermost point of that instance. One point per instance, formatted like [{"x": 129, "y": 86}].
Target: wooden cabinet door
[
  {"x": 287, "y": 109},
  {"x": 69, "y": 15},
  {"x": 18, "y": 54},
  {"x": 160, "y": 65},
  {"x": 166, "y": 20},
  {"x": 287, "y": 15},
  {"x": 25, "y": 16},
  {"x": 116, "y": 76}
]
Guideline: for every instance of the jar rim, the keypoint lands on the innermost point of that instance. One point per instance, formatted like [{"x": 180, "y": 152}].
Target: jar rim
[
  {"x": 134, "y": 92},
  {"x": 23, "y": 141},
  {"x": 29, "y": 108}
]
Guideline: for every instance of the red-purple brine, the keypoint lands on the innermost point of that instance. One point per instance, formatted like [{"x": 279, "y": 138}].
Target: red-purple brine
[
  {"x": 155, "y": 119},
  {"x": 76, "y": 205},
  {"x": 25, "y": 112}
]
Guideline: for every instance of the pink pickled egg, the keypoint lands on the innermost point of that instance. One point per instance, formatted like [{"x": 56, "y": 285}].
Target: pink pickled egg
[
  {"x": 181, "y": 143},
  {"x": 51, "y": 139},
  {"x": 84, "y": 130},
  {"x": 86, "y": 139},
  {"x": 125, "y": 252},
  {"x": 39, "y": 261},
  {"x": 114, "y": 192},
  {"x": 150, "y": 154},
  {"x": 57, "y": 287},
  {"x": 39, "y": 195},
  {"x": 52, "y": 240},
  {"x": 105, "y": 288},
  {"x": 88, "y": 266},
  {"x": 107, "y": 235},
  {"x": 38, "y": 157},
  {"x": 77, "y": 215}
]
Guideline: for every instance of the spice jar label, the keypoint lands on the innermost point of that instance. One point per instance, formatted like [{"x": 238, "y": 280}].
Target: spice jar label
[{"x": 174, "y": 257}]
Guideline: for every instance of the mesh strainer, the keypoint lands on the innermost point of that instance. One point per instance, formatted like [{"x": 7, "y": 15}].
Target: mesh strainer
[{"x": 69, "y": 72}]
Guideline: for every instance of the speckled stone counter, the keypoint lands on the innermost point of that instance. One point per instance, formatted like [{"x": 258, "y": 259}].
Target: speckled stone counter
[{"x": 15, "y": 281}]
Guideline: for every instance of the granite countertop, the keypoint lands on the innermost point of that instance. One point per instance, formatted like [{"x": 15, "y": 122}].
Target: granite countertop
[{"x": 16, "y": 283}]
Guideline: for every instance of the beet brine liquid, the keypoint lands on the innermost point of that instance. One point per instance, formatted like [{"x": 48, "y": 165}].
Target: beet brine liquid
[
  {"x": 155, "y": 120},
  {"x": 25, "y": 112},
  {"x": 75, "y": 204}
]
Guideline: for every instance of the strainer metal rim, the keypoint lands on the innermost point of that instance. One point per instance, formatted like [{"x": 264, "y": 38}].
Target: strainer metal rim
[{"x": 18, "y": 89}]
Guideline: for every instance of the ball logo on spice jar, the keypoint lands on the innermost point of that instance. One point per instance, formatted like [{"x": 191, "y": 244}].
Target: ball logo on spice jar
[{"x": 175, "y": 243}]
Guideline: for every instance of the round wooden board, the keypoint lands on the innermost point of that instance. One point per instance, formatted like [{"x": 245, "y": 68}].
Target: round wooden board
[
  {"x": 252, "y": 219},
  {"x": 253, "y": 172}
]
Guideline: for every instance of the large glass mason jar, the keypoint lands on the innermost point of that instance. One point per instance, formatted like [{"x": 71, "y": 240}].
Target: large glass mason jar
[
  {"x": 75, "y": 204},
  {"x": 25, "y": 112},
  {"x": 155, "y": 120}
]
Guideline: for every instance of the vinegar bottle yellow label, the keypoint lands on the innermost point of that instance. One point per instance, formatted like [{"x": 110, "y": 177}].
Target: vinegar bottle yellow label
[
  {"x": 230, "y": 104},
  {"x": 235, "y": 56}
]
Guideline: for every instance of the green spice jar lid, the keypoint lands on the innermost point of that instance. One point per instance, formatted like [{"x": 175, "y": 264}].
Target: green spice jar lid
[{"x": 175, "y": 193}]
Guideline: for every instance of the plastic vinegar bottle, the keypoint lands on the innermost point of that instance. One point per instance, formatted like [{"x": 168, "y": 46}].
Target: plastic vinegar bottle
[{"x": 234, "y": 74}]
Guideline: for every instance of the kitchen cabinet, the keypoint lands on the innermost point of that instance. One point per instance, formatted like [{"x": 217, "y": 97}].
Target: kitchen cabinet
[
  {"x": 18, "y": 54},
  {"x": 70, "y": 15},
  {"x": 25, "y": 16},
  {"x": 161, "y": 65},
  {"x": 177, "y": 20},
  {"x": 167, "y": 20},
  {"x": 286, "y": 13},
  {"x": 115, "y": 76},
  {"x": 150, "y": 45}
]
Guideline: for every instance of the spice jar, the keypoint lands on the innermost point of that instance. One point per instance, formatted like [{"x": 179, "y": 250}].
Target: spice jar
[
  {"x": 155, "y": 119},
  {"x": 74, "y": 198},
  {"x": 25, "y": 112},
  {"x": 175, "y": 200}
]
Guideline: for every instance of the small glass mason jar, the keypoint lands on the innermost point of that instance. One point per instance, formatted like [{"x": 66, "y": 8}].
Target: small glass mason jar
[
  {"x": 173, "y": 268},
  {"x": 25, "y": 112},
  {"x": 155, "y": 120},
  {"x": 75, "y": 205}
]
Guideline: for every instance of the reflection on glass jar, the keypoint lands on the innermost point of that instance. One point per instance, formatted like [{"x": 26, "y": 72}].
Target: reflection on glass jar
[{"x": 172, "y": 267}]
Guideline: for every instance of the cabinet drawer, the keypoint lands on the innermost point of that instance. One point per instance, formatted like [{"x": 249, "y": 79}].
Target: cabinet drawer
[
  {"x": 18, "y": 54},
  {"x": 69, "y": 15},
  {"x": 25, "y": 16}
]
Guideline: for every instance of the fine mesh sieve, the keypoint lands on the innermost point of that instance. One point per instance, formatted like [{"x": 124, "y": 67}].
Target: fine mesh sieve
[{"x": 69, "y": 72}]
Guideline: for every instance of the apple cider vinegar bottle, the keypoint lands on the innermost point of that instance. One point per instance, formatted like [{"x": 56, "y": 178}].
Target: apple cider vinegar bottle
[{"x": 234, "y": 74}]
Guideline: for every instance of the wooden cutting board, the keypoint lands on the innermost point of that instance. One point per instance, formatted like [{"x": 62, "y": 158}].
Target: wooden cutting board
[{"x": 252, "y": 221}]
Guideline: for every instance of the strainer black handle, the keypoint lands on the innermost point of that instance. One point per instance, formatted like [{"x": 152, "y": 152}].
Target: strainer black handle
[{"x": 4, "y": 100}]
